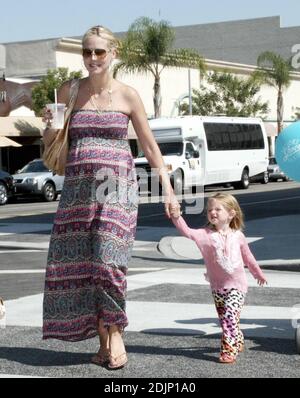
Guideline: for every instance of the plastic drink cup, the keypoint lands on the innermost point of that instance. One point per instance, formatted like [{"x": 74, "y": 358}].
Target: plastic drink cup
[{"x": 58, "y": 113}]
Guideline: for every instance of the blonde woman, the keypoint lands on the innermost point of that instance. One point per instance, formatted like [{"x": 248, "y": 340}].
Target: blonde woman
[
  {"x": 225, "y": 251},
  {"x": 93, "y": 233}
]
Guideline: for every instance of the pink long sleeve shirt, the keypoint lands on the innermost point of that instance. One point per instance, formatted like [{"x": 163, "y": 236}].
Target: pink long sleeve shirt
[{"x": 224, "y": 257}]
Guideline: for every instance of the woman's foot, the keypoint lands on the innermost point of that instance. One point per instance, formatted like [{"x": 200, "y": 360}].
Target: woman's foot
[
  {"x": 118, "y": 356},
  {"x": 101, "y": 358},
  {"x": 117, "y": 362}
]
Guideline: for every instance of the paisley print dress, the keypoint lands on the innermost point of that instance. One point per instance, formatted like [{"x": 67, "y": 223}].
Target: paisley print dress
[{"x": 94, "y": 230}]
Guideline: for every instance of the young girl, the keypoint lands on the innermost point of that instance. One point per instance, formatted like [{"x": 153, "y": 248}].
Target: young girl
[{"x": 225, "y": 251}]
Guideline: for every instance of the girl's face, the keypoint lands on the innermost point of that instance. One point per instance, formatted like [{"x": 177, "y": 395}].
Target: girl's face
[
  {"x": 217, "y": 214},
  {"x": 97, "y": 55}
]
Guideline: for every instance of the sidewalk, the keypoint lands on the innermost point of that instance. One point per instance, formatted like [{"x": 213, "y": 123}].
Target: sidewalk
[
  {"x": 173, "y": 330},
  {"x": 275, "y": 243}
]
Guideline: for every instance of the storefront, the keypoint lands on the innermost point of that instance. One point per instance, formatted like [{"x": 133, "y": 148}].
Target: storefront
[{"x": 20, "y": 141}]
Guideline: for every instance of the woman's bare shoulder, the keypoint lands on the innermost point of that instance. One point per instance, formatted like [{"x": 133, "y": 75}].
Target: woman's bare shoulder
[
  {"x": 126, "y": 90},
  {"x": 64, "y": 90}
]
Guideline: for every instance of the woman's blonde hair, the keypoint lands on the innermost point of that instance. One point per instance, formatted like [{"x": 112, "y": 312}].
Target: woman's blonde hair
[
  {"x": 230, "y": 203},
  {"x": 104, "y": 33}
]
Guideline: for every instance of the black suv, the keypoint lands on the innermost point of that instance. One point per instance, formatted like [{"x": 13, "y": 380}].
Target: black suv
[{"x": 6, "y": 187}]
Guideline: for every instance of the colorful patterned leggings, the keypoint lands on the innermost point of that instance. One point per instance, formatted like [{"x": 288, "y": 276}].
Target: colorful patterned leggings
[{"x": 229, "y": 303}]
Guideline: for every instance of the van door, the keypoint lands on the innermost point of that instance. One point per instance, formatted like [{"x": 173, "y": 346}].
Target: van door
[{"x": 193, "y": 165}]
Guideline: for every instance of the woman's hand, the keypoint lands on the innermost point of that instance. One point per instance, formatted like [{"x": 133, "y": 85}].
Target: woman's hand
[
  {"x": 47, "y": 117},
  {"x": 172, "y": 206}
]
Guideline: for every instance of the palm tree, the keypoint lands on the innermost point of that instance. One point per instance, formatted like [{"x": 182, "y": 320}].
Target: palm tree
[
  {"x": 147, "y": 47},
  {"x": 275, "y": 71}
]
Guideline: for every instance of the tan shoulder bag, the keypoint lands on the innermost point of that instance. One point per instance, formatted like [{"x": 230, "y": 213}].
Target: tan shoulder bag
[{"x": 55, "y": 154}]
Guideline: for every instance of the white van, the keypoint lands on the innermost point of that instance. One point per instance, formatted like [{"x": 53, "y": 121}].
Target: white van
[{"x": 207, "y": 150}]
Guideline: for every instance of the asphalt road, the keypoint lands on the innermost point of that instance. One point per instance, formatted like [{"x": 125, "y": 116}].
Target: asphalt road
[{"x": 173, "y": 328}]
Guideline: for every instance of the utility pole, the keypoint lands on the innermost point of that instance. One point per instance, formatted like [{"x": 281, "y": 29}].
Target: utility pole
[
  {"x": 3, "y": 92},
  {"x": 190, "y": 93}
]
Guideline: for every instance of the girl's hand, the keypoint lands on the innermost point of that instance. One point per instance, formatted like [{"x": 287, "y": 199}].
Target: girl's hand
[
  {"x": 262, "y": 281},
  {"x": 175, "y": 211}
]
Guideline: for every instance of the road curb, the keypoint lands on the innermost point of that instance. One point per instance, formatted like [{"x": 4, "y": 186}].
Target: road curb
[{"x": 164, "y": 247}]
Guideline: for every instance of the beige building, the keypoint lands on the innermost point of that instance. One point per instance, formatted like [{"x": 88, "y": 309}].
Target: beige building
[{"x": 28, "y": 61}]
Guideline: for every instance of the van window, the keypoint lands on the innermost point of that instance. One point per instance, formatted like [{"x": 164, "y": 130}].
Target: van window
[
  {"x": 171, "y": 148},
  {"x": 167, "y": 148},
  {"x": 189, "y": 149},
  {"x": 233, "y": 136}
]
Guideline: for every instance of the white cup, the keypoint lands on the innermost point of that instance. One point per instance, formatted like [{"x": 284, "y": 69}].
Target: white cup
[{"x": 58, "y": 113}]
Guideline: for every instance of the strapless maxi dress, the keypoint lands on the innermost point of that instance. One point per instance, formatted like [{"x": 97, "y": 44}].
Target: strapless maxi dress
[{"x": 93, "y": 231}]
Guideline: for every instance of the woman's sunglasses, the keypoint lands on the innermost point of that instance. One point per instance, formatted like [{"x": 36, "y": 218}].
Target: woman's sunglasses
[{"x": 99, "y": 52}]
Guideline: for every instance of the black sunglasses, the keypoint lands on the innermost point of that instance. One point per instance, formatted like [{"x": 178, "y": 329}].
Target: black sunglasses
[{"x": 99, "y": 52}]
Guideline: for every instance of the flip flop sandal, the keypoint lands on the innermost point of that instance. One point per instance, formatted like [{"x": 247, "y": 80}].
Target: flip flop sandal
[
  {"x": 100, "y": 358},
  {"x": 117, "y": 362}
]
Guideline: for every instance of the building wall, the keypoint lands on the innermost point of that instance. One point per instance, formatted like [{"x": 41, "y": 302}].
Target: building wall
[
  {"x": 73, "y": 61},
  {"x": 174, "y": 84}
]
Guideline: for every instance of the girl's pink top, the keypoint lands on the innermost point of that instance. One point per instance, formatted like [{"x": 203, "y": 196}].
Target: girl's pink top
[{"x": 224, "y": 257}]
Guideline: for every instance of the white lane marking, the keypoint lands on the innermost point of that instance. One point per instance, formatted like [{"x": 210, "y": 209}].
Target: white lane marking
[
  {"x": 20, "y": 251},
  {"x": 269, "y": 201},
  {"x": 243, "y": 204},
  {"x": 22, "y": 271},
  {"x": 41, "y": 271}
]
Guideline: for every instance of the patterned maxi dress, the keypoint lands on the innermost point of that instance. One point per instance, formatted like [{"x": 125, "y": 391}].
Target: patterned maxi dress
[{"x": 93, "y": 231}]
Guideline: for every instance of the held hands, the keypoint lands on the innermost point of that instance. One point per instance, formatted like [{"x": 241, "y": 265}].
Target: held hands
[{"x": 172, "y": 206}]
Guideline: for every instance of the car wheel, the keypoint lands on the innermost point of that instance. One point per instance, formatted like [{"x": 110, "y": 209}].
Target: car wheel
[
  {"x": 265, "y": 178},
  {"x": 3, "y": 194},
  {"x": 49, "y": 192}
]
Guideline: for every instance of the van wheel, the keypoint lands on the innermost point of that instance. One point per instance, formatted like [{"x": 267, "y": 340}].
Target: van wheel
[
  {"x": 245, "y": 182},
  {"x": 178, "y": 182}
]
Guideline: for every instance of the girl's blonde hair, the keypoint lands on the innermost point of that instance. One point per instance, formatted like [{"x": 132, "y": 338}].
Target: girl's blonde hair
[
  {"x": 230, "y": 203},
  {"x": 104, "y": 33}
]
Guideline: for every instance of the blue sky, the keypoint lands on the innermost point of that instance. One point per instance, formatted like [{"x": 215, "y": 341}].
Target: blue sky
[{"x": 37, "y": 19}]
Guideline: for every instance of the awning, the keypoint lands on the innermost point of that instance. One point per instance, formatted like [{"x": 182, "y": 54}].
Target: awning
[
  {"x": 4, "y": 141},
  {"x": 21, "y": 126}
]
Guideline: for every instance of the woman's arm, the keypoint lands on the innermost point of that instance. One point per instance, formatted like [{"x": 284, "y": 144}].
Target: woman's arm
[{"x": 149, "y": 146}]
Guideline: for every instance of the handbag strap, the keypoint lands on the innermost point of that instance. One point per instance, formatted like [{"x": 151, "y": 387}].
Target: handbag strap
[{"x": 72, "y": 99}]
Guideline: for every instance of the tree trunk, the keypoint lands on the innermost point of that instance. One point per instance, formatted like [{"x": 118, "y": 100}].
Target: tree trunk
[
  {"x": 157, "y": 97},
  {"x": 279, "y": 111}
]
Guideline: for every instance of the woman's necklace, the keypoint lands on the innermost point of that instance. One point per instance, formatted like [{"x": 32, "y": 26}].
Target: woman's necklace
[{"x": 97, "y": 95}]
